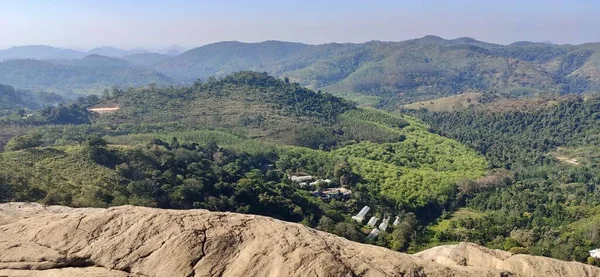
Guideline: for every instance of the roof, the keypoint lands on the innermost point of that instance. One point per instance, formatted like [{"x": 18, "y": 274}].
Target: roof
[{"x": 110, "y": 103}]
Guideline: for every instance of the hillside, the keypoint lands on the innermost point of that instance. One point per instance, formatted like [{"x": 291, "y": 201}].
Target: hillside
[
  {"x": 449, "y": 103},
  {"x": 253, "y": 103},
  {"x": 504, "y": 129},
  {"x": 12, "y": 99},
  {"x": 551, "y": 206},
  {"x": 145, "y": 59},
  {"x": 404, "y": 71},
  {"x": 91, "y": 74},
  {"x": 135, "y": 241}
]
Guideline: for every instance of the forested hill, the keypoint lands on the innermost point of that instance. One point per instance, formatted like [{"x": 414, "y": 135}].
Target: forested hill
[
  {"x": 11, "y": 98},
  {"x": 91, "y": 74},
  {"x": 404, "y": 71},
  {"x": 388, "y": 73},
  {"x": 253, "y": 103},
  {"x": 522, "y": 137},
  {"x": 552, "y": 206}
]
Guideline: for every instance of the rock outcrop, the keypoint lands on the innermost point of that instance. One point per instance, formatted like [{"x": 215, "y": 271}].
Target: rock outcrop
[
  {"x": 473, "y": 255},
  {"x": 135, "y": 241}
]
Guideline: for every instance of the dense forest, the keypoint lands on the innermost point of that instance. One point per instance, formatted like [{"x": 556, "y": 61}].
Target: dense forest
[
  {"x": 550, "y": 205},
  {"x": 520, "y": 138}
]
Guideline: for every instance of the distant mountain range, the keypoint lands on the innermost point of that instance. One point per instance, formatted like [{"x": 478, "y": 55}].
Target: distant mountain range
[
  {"x": 390, "y": 72},
  {"x": 40, "y": 52},
  {"x": 45, "y": 52},
  {"x": 91, "y": 74},
  {"x": 400, "y": 72}
]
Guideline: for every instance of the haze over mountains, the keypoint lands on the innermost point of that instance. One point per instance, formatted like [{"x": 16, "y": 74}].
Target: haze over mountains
[
  {"x": 389, "y": 72},
  {"x": 45, "y": 52}
]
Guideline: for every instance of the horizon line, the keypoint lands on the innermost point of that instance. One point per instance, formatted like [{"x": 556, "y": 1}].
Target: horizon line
[{"x": 151, "y": 49}]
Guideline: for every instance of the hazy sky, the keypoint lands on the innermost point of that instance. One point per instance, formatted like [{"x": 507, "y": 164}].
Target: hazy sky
[{"x": 86, "y": 24}]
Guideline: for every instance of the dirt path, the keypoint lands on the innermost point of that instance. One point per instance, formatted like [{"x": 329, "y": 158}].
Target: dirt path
[{"x": 568, "y": 160}]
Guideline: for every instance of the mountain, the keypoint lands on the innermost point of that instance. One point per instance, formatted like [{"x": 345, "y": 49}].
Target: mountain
[
  {"x": 136, "y": 241},
  {"x": 91, "y": 74},
  {"x": 115, "y": 52},
  {"x": 145, "y": 59},
  {"x": 402, "y": 72},
  {"x": 44, "y": 52},
  {"x": 254, "y": 103},
  {"x": 220, "y": 59},
  {"x": 39, "y": 52},
  {"x": 172, "y": 50},
  {"x": 386, "y": 74},
  {"x": 552, "y": 146}
]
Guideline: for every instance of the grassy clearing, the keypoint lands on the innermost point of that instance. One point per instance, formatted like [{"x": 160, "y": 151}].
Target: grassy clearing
[
  {"x": 586, "y": 155},
  {"x": 450, "y": 103}
]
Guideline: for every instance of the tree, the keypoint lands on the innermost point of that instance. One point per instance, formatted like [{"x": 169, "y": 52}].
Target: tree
[
  {"x": 348, "y": 230},
  {"x": 95, "y": 148},
  {"x": 402, "y": 234},
  {"x": 105, "y": 94},
  {"x": 185, "y": 195},
  {"x": 174, "y": 143},
  {"x": 24, "y": 142},
  {"x": 326, "y": 224},
  {"x": 71, "y": 114},
  {"x": 343, "y": 173},
  {"x": 5, "y": 192},
  {"x": 116, "y": 91}
]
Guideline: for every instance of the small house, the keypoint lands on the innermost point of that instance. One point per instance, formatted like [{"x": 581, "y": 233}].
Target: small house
[
  {"x": 299, "y": 179},
  {"x": 109, "y": 106}
]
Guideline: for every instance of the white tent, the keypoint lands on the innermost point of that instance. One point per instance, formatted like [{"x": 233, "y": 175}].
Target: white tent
[
  {"x": 301, "y": 178},
  {"x": 373, "y": 234},
  {"x": 373, "y": 221},
  {"x": 384, "y": 223},
  {"x": 361, "y": 215}
]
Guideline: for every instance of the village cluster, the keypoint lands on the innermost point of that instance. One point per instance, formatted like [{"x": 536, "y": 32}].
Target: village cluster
[
  {"x": 313, "y": 184},
  {"x": 383, "y": 226},
  {"x": 341, "y": 193}
]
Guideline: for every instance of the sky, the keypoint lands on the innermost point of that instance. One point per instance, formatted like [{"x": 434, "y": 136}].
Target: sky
[{"x": 152, "y": 24}]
